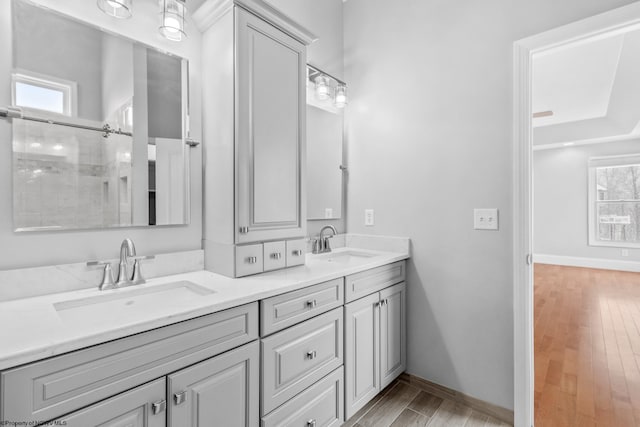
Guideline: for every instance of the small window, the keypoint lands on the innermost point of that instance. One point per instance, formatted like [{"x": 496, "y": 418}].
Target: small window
[
  {"x": 43, "y": 94},
  {"x": 614, "y": 201}
]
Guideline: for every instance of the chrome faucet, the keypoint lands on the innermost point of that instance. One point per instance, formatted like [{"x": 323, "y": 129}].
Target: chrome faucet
[
  {"x": 321, "y": 244},
  {"x": 127, "y": 249}
]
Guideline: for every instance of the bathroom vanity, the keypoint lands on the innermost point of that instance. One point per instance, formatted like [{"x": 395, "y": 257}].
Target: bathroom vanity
[{"x": 306, "y": 346}]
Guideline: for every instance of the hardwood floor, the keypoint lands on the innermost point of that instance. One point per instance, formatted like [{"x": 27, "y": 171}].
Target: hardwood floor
[
  {"x": 586, "y": 347},
  {"x": 403, "y": 405}
]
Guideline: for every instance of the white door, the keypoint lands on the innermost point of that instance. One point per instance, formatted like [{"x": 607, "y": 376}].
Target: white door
[
  {"x": 393, "y": 347},
  {"x": 362, "y": 348},
  {"x": 270, "y": 132},
  {"x": 221, "y": 391},
  {"x": 144, "y": 406}
]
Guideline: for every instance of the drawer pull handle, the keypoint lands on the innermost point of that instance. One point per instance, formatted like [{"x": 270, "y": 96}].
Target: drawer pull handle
[
  {"x": 297, "y": 252},
  {"x": 312, "y": 303},
  {"x": 312, "y": 354},
  {"x": 158, "y": 407},
  {"x": 179, "y": 398},
  {"x": 252, "y": 260},
  {"x": 311, "y": 423},
  {"x": 276, "y": 255},
  {"x": 243, "y": 230}
]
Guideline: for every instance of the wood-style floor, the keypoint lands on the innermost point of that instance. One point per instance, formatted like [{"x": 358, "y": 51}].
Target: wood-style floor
[
  {"x": 587, "y": 347},
  {"x": 403, "y": 405}
]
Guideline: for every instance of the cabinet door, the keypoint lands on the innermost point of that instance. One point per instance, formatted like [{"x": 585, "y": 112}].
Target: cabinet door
[
  {"x": 393, "y": 349},
  {"x": 134, "y": 408},
  {"x": 270, "y": 132},
  {"x": 362, "y": 347},
  {"x": 221, "y": 391}
]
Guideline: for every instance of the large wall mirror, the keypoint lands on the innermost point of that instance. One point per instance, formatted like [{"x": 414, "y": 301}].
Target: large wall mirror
[{"x": 98, "y": 127}]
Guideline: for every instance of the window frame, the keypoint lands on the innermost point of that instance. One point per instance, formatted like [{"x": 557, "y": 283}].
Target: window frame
[
  {"x": 68, "y": 88},
  {"x": 593, "y": 164}
]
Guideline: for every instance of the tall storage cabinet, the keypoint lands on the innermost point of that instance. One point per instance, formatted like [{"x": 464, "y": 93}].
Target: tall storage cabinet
[{"x": 254, "y": 77}]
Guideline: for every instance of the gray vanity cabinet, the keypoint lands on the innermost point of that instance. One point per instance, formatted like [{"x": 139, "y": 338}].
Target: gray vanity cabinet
[
  {"x": 375, "y": 344},
  {"x": 221, "y": 391},
  {"x": 144, "y": 406}
]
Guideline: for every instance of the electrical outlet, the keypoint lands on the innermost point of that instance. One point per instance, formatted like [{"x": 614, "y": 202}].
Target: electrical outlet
[
  {"x": 328, "y": 213},
  {"x": 369, "y": 219},
  {"x": 485, "y": 219},
  {"x": 625, "y": 252}
]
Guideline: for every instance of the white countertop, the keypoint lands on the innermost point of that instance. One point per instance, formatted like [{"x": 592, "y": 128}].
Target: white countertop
[{"x": 32, "y": 329}]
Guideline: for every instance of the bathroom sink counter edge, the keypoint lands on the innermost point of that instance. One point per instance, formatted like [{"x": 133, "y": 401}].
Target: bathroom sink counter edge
[{"x": 45, "y": 332}]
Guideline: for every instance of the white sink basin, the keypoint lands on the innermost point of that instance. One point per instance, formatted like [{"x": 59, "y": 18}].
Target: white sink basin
[
  {"x": 344, "y": 257},
  {"x": 129, "y": 301}
]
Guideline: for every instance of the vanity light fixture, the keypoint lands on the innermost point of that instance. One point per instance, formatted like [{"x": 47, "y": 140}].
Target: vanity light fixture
[
  {"x": 322, "y": 88},
  {"x": 172, "y": 19},
  {"x": 327, "y": 89},
  {"x": 116, "y": 8},
  {"x": 340, "y": 99}
]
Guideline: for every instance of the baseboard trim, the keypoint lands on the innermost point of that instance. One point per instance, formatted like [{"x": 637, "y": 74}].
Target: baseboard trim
[
  {"x": 599, "y": 263},
  {"x": 495, "y": 411}
]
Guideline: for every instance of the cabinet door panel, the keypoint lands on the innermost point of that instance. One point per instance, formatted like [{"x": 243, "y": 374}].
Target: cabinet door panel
[
  {"x": 220, "y": 391},
  {"x": 270, "y": 131},
  {"x": 362, "y": 325},
  {"x": 130, "y": 409},
  {"x": 393, "y": 353}
]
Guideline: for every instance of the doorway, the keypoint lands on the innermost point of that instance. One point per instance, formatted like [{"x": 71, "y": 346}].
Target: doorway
[{"x": 600, "y": 27}]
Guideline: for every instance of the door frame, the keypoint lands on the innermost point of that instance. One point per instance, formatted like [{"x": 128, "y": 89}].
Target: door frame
[{"x": 602, "y": 25}]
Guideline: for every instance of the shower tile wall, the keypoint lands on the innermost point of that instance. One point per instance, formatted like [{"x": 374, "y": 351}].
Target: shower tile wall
[{"x": 69, "y": 178}]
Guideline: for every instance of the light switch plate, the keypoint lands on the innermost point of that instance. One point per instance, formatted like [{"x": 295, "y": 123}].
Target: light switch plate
[{"x": 485, "y": 219}]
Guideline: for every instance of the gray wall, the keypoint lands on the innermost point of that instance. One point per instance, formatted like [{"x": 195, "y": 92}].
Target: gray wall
[
  {"x": 430, "y": 138},
  {"x": 560, "y": 201},
  {"x": 36, "y": 249}
]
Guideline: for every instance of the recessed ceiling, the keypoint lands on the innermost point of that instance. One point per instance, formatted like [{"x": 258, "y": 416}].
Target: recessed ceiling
[{"x": 591, "y": 88}]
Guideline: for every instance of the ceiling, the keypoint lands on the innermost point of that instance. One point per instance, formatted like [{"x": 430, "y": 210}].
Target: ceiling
[{"x": 590, "y": 87}]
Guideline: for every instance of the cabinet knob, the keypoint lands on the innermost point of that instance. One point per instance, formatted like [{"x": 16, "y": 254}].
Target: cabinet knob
[
  {"x": 312, "y": 303},
  {"x": 311, "y": 354},
  {"x": 158, "y": 407},
  {"x": 311, "y": 423},
  {"x": 179, "y": 398},
  {"x": 276, "y": 255},
  {"x": 297, "y": 252},
  {"x": 252, "y": 260}
]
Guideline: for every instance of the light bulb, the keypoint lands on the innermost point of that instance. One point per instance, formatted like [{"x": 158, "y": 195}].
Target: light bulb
[
  {"x": 171, "y": 24},
  {"x": 35, "y": 145},
  {"x": 58, "y": 147},
  {"x": 114, "y": 4},
  {"x": 341, "y": 96},
  {"x": 322, "y": 88}
]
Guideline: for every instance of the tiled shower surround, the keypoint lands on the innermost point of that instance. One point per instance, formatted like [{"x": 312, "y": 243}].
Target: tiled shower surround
[{"x": 69, "y": 178}]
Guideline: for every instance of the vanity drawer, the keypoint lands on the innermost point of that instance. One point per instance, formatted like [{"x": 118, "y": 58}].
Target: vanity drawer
[
  {"x": 297, "y": 357},
  {"x": 322, "y": 404},
  {"x": 296, "y": 251},
  {"x": 367, "y": 282},
  {"x": 249, "y": 260},
  {"x": 275, "y": 255},
  {"x": 62, "y": 384},
  {"x": 288, "y": 309}
]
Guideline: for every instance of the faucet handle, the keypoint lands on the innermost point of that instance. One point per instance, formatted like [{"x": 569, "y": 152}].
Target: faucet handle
[
  {"x": 107, "y": 274},
  {"x": 136, "y": 277}
]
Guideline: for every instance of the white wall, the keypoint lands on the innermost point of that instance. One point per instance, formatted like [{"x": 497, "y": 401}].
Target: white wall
[
  {"x": 34, "y": 249},
  {"x": 430, "y": 138},
  {"x": 560, "y": 201}
]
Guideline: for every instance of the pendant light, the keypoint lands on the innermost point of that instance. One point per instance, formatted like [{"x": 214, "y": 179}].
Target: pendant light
[
  {"x": 116, "y": 8},
  {"x": 172, "y": 19}
]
